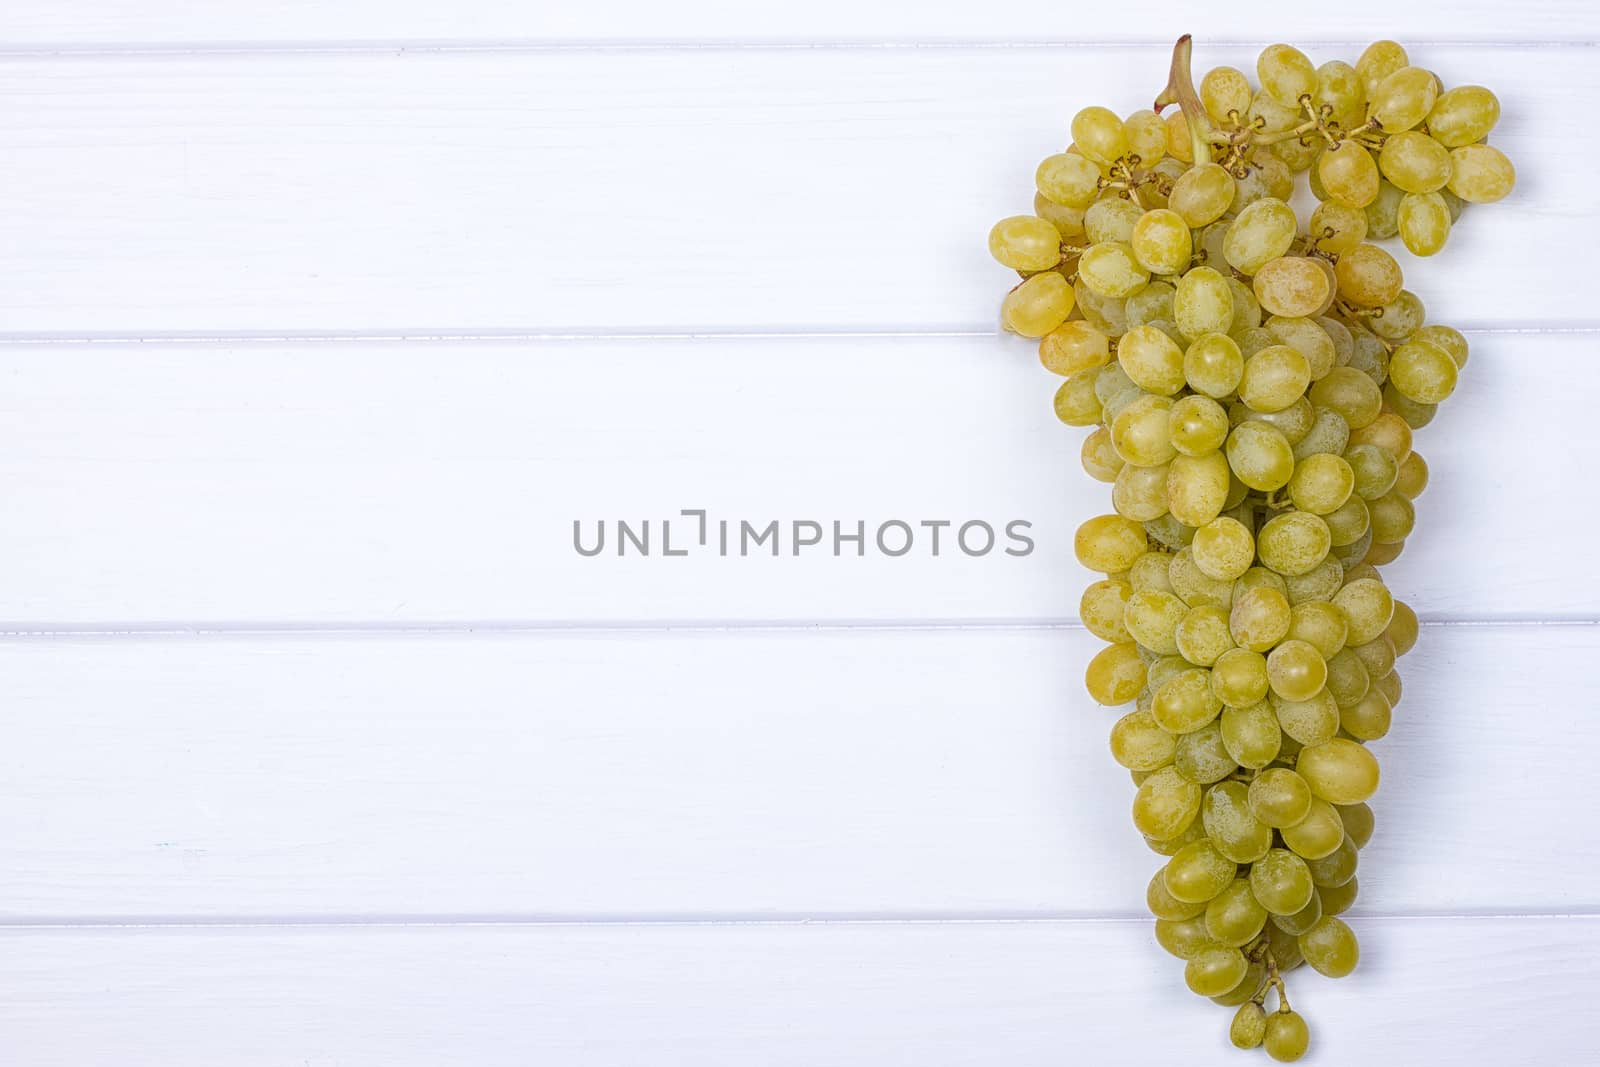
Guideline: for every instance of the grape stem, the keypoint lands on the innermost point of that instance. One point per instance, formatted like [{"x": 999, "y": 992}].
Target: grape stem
[{"x": 1180, "y": 91}]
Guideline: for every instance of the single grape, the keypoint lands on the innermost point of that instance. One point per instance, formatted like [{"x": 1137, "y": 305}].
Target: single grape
[
  {"x": 1163, "y": 905},
  {"x": 1166, "y": 804},
  {"x": 1100, "y": 135},
  {"x": 1281, "y": 881},
  {"x": 1214, "y": 970},
  {"x": 1115, "y": 675},
  {"x": 1233, "y": 916},
  {"x": 1463, "y": 115},
  {"x": 1339, "y": 771},
  {"x": 1229, "y": 824},
  {"x": 1250, "y": 732},
  {"x": 1287, "y": 1036},
  {"x": 1280, "y": 797},
  {"x": 1318, "y": 834}
]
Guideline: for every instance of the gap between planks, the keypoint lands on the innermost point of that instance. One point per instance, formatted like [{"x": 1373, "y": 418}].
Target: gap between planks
[
  {"x": 424, "y": 337},
  {"x": 171, "y": 50},
  {"x": 15, "y": 631}
]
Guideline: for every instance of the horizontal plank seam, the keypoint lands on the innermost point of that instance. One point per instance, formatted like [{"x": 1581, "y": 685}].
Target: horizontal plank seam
[
  {"x": 578, "y": 336},
  {"x": 404, "y": 46},
  {"x": 17, "y": 631},
  {"x": 64, "y": 923}
]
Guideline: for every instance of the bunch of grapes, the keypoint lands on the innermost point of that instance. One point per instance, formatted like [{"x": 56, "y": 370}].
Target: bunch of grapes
[{"x": 1253, "y": 383}]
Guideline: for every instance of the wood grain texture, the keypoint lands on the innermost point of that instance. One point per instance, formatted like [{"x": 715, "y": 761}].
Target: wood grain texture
[
  {"x": 721, "y": 774},
  {"x": 112, "y": 23},
  {"x": 282, "y": 484},
  {"x": 963, "y": 995},
  {"x": 655, "y": 191}
]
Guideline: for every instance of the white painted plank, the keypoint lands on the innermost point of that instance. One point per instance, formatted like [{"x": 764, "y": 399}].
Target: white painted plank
[
  {"x": 40, "y": 23},
  {"x": 790, "y": 773},
  {"x": 178, "y": 485},
  {"x": 1461, "y": 991},
  {"x": 747, "y": 189}
]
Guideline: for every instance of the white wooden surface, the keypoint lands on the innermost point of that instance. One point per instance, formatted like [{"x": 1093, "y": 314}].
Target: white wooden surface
[{"x": 320, "y": 323}]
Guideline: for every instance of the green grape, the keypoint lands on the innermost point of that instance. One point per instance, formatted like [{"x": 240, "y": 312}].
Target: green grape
[
  {"x": 1246, "y": 309},
  {"x": 1321, "y": 625},
  {"x": 1389, "y": 432},
  {"x": 1140, "y": 493},
  {"x": 1149, "y": 306},
  {"x": 1261, "y": 578},
  {"x": 1337, "y": 868},
  {"x": 1161, "y": 240},
  {"x": 1422, "y": 371},
  {"x": 1302, "y": 920},
  {"x": 1249, "y": 1026},
  {"x": 1213, "y": 365},
  {"x": 1037, "y": 305},
  {"x": 1101, "y": 607},
  {"x": 1403, "y": 99},
  {"x": 1358, "y": 823},
  {"x": 1349, "y": 174},
  {"x": 1151, "y": 571},
  {"x": 1374, "y": 468},
  {"x": 1424, "y": 223},
  {"x": 1343, "y": 340},
  {"x": 1337, "y": 899},
  {"x": 1294, "y": 286},
  {"x": 1280, "y": 797},
  {"x": 1076, "y": 403},
  {"x": 1463, "y": 115},
  {"x": 1381, "y": 59},
  {"x": 1318, "y": 834},
  {"x": 1368, "y": 718},
  {"x": 1163, "y": 905},
  {"x": 1285, "y": 948},
  {"x": 1100, "y": 459},
  {"x": 1202, "y": 195},
  {"x": 1201, "y": 756},
  {"x": 1239, "y": 679},
  {"x": 1416, "y": 415},
  {"x": 1140, "y": 744},
  {"x": 1393, "y": 518},
  {"x": 1296, "y": 672},
  {"x": 1259, "y": 618},
  {"x": 1110, "y": 543},
  {"x": 1169, "y": 846},
  {"x": 1348, "y": 523},
  {"x": 1147, "y": 137},
  {"x": 1142, "y": 431},
  {"x": 1367, "y": 606},
  {"x": 1382, "y": 214},
  {"x": 1260, "y": 455},
  {"x": 1198, "y": 425},
  {"x": 1225, "y": 94},
  {"x": 1354, "y": 396},
  {"x": 1402, "y": 629},
  {"x": 1480, "y": 173},
  {"x": 1287, "y": 1036},
  {"x": 1067, "y": 178},
  {"x": 1329, "y": 433},
  {"x": 1115, "y": 675},
  {"x": 1262, "y": 232},
  {"x": 1415, "y": 162},
  {"x": 1203, "y": 303},
  {"x": 1073, "y": 347},
  {"x": 1309, "y": 338},
  {"x": 1341, "y": 87},
  {"x": 1230, "y": 827},
  {"x": 1348, "y": 680},
  {"x": 1192, "y": 584},
  {"x": 1111, "y": 218},
  {"x": 1168, "y": 532},
  {"x": 1214, "y": 970},
  {"x": 1233, "y": 917},
  {"x": 1104, "y": 313},
  {"x": 1368, "y": 276},
  {"x": 1151, "y": 360},
  {"x": 1185, "y": 702},
  {"x": 1165, "y": 804},
  {"x": 1197, "y": 488},
  {"x": 1183, "y": 937},
  {"x": 1294, "y": 421},
  {"x": 1100, "y": 135},
  {"x": 1110, "y": 269},
  {"x": 1202, "y": 635},
  {"x": 1223, "y": 548},
  {"x": 1319, "y": 583},
  {"x": 1197, "y": 873},
  {"x": 1448, "y": 339},
  {"x": 1281, "y": 881},
  {"x": 1294, "y": 542},
  {"x": 1377, "y": 655},
  {"x": 1151, "y": 617},
  {"x": 1025, "y": 242},
  {"x": 1068, "y": 221},
  {"x": 1310, "y": 721},
  {"x": 1274, "y": 378},
  {"x": 1337, "y": 227},
  {"x": 1369, "y": 356},
  {"x": 1286, "y": 74},
  {"x": 1321, "y": 483},
  {"x": 1339, "y": 771}
]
